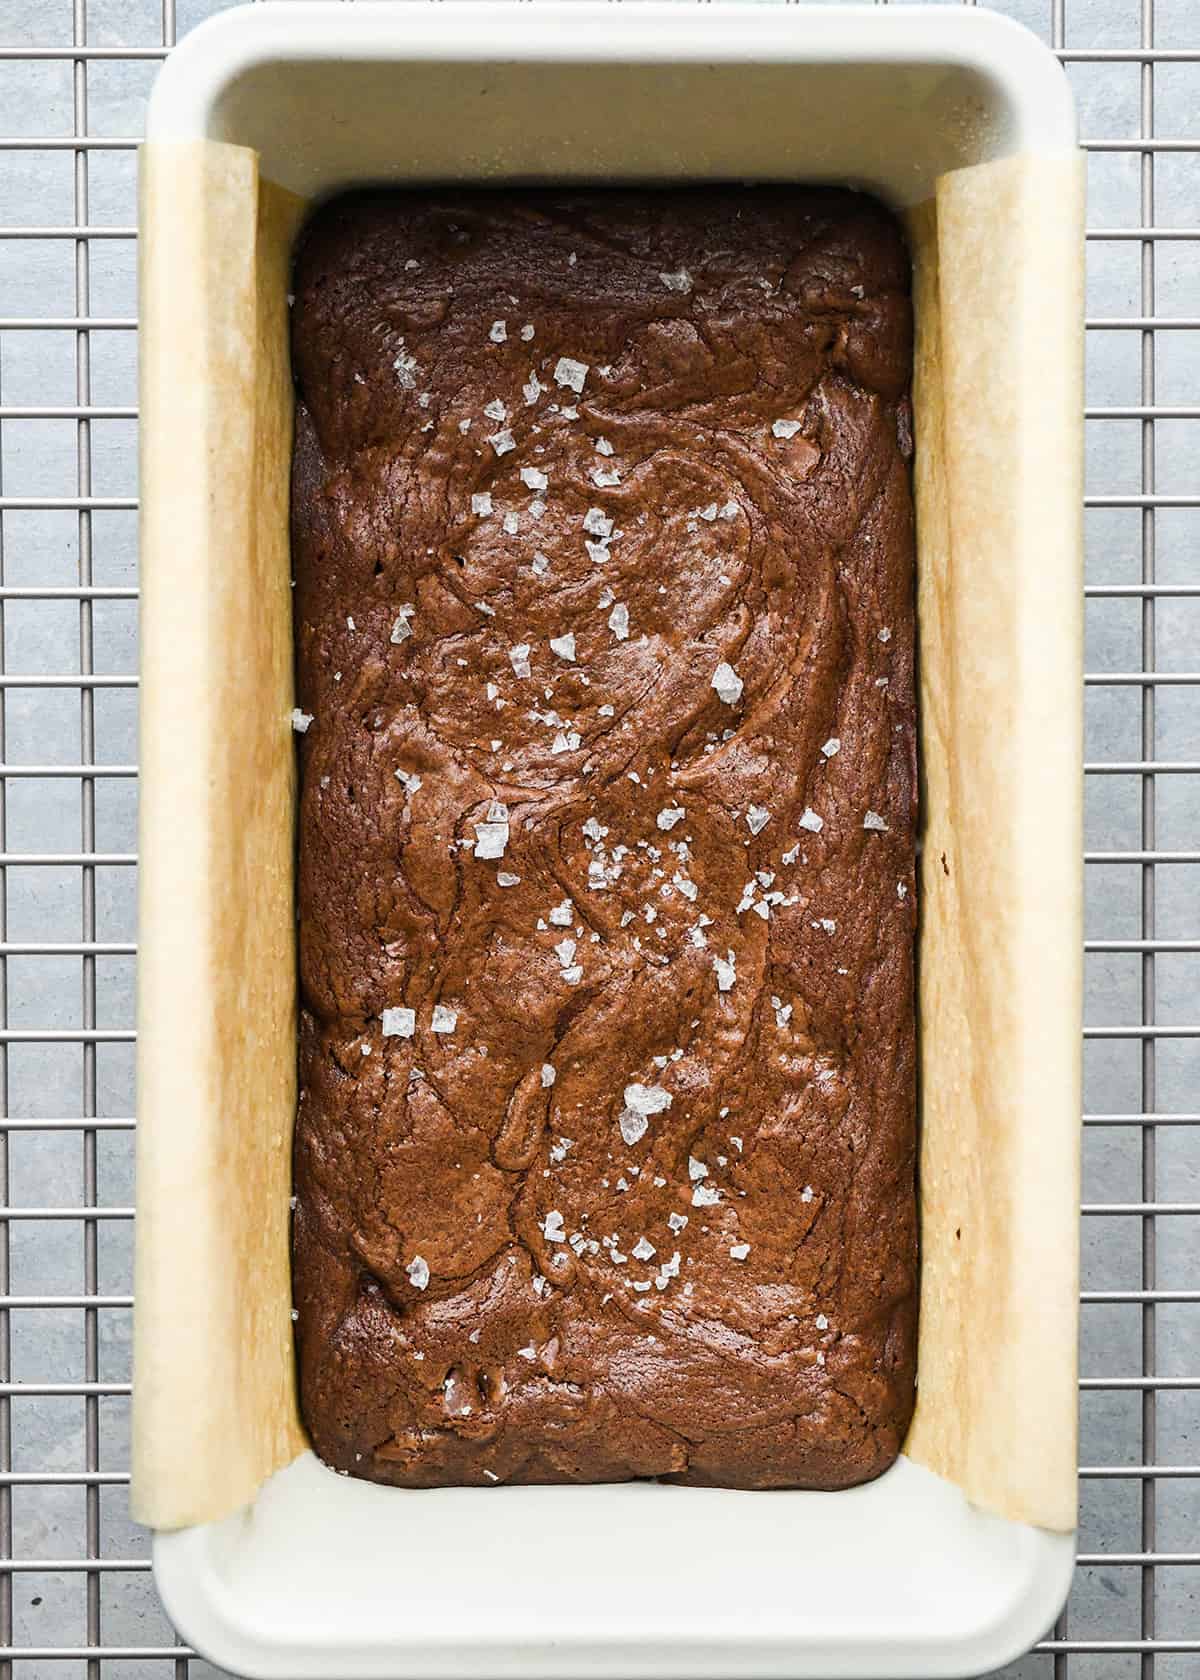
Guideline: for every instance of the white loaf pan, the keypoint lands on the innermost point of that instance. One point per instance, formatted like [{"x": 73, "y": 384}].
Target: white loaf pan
[{"x": 324, "y": 1576}]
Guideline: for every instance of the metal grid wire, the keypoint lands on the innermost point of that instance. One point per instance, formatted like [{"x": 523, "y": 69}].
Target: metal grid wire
[{"x": 75, "y": 1590}]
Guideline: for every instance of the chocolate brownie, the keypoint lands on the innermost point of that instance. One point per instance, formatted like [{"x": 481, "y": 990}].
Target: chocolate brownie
[{"x": 603, "y": 545}]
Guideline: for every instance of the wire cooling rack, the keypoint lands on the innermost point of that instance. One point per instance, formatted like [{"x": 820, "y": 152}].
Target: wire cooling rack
[{"x": 75, "y": 1591}]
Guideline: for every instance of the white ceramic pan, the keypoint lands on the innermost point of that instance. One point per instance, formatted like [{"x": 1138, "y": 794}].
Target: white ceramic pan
[{"x": 324, "y": 1576}]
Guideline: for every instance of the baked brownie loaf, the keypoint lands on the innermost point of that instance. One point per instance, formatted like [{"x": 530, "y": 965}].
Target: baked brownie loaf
[{"x": 603, "y": 548}]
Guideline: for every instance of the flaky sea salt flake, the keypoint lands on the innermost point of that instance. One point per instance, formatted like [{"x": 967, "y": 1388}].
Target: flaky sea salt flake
[
  {"x": 570, "y": 373},
  {"x": 402, "y": 629},
  {"x": 418, "y": 1272},
  {"x": 727, "y": 684},
  {"x": 597, "y": 523},
  {"x": 633, "y": 1126},
  {"x": 406, "y": 368},
  {"x": 647, "y": 1099},
  {"x": 492, "y": 833}
]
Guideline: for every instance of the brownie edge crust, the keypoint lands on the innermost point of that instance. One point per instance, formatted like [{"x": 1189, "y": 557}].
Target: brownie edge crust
[{"x": 603, "y": 545}]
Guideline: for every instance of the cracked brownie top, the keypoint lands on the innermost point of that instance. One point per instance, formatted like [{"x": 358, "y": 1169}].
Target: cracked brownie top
[{"x": 603, "y": 547}]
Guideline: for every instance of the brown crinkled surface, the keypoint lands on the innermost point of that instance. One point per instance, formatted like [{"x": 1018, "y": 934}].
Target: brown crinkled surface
[{"x": 707, "y": 927}]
